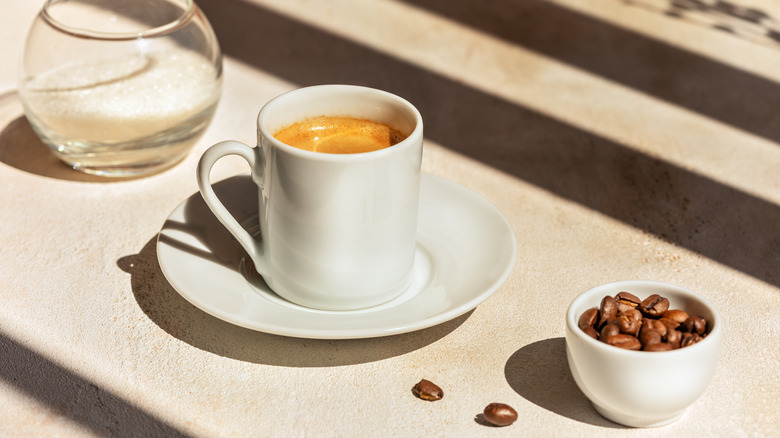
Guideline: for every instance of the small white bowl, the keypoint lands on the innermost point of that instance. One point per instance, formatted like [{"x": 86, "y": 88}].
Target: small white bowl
[{"x": 640, "y": 388}]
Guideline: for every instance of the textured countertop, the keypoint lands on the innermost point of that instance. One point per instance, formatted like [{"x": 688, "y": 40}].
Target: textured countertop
[{"x": 621, "y": 139}]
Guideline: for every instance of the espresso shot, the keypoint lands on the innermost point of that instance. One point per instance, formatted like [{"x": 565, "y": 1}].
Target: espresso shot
[{"x": 339, "y": 135}]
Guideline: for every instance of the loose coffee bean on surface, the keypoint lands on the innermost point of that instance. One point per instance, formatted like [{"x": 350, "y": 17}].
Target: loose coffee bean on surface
[
  {"x": 427, "y": 390},
  {"x": 499, "y": 414},
  {"x": 625, "y": 321}
]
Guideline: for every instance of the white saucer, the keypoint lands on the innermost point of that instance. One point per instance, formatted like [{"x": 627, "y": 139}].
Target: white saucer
[{"x": 465, "y": 251}]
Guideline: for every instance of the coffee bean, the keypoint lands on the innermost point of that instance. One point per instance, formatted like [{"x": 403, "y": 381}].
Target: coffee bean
[
  {"x": 649, "y": 337},
  {"x": 427, "y": 390},
  {"x": 653, "y": 324},
  {"x": 669, "y": 323},
  {"x": 627, "y": 322},
  {"x": 674, "y": 338},
  {"x": 676, "y": 315},
  {"x": 590, "y": 331},
  {"x": 499, "y": 414},
  {"x": 635, "y": 321},
  {"x": 687, "y": 326},
  {"x": 661, "y": 346},
  {"x": 633, "y": 314},
  {"x": 588, "y": 318},
  {"x": 626, "y": 342},
  {"x": 609, "y": 330},
  {"x": 694, "y": 324},
  {"x": 627, "y": 301},
  {"x": 654, "y": 306},
  {"x": 607, "y": 310},
  {"x": 689, "y": 339}
]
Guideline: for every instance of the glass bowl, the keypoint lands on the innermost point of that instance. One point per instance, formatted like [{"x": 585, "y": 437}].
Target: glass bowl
[{"x": 120, "y": 87}]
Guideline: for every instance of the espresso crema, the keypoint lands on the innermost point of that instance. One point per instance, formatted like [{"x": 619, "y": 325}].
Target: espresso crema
[{"x": 339, "y": 135}]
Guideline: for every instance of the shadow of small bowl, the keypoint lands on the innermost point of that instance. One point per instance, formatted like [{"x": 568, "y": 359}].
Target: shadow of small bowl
[{"x": 639, "y": 388}]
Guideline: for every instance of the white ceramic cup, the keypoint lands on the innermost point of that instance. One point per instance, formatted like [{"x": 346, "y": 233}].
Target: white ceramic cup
[{"x": 337, "y": 231}]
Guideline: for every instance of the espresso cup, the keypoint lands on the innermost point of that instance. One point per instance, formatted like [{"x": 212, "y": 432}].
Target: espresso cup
[{"x": 337, "y": 231}]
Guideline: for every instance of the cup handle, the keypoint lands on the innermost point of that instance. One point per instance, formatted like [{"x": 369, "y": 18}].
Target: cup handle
[{"x": 252, "y": 246}]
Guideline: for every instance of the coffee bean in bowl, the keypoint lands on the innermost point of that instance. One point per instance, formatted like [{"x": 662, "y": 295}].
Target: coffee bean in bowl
[
  {"x": 681, "y": 341},
  {"x": 647, "y": 325}
]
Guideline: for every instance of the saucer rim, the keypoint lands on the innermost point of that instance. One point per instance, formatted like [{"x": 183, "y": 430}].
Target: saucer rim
[{"x": 428, "y": 321}]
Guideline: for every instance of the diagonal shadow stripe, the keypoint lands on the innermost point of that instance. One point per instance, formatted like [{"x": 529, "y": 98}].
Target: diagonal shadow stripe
[
  {"x": 75, "y": 397},
  {"x": 702, "y": 215},
  {"x": 724, "y": 93}
]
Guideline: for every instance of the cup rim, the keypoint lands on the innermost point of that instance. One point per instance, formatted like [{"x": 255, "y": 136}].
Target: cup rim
[
  {"x": 571, "y": 319},
  {"x": 80, "y": 32},
  {"x": 404, "y": 144}
]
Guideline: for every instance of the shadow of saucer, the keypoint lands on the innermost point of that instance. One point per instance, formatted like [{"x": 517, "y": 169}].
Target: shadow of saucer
[
  {"x": 175, "y": 315},
  {"x": 540, "y": 373}
]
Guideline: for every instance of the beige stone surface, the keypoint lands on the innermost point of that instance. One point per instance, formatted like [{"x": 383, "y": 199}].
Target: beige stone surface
[{"x": 622, "y": 140}]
